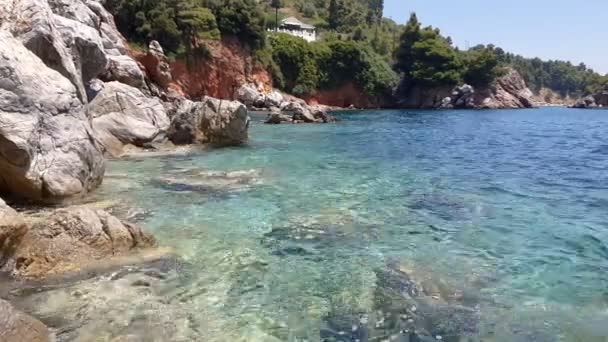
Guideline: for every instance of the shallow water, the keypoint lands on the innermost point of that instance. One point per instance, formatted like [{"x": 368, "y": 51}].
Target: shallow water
[{"x": 499, "y": 217}]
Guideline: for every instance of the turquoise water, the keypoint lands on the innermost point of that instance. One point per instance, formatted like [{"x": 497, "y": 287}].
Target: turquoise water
[{"x": 390, "y": 225}]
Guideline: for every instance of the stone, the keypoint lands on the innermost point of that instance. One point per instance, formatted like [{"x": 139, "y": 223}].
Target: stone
[
  {"x": 278, "y": 118},
  {"x": 47, "y": 150},
  {"x": 249, "y": 95},
  {"x": 16, "y": 326},
  {"x": 12, "y": 230},
  {"x": 123, "y": 115},
  {"x": 273, "y": 99},
  {"x": 300, "y": 112},
  {"x": 125, "y": 69},
  {"x": 586, "y": 102},
  {"x": 157, "y": 65},
  {"x": 211, "y": 121},
  {"x": 70, "y": 240}
]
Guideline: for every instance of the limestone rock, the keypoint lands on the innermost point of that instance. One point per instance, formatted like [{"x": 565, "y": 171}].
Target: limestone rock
[
  {"x": 125, "y": 69},
  {"x": 124, "y": 115},
  {"x": 47, "y": 150},
  {"x": 16, "y": 326},
  {"x": 210, "y": 121},
  {"x": 70, "y": 240}
]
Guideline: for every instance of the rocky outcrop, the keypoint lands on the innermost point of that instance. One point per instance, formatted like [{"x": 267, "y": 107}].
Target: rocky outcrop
[
  {"x": 70, "y": 240},
  {"x": 598, "y": 100},
  {"x": 47, "y": 150},
  {"x": 210, "y": 121},
  {"x": 16, "y": 326},
  {"x": 157, "y": 65},
  {"x": 124, "y": 115},
  {"x": 509, "y": 91},
  {"x": 283, "y": 108}
]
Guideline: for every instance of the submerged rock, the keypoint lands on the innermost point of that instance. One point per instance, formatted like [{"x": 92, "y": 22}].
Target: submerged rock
[
  {"x": 12, "y": 230},
  {"x": 16, "y": 326},
  {"x": 71, "y": 240},
  {"x": 209, "y": 182}
]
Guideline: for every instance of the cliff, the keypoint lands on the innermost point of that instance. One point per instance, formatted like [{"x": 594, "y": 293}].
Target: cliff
[{"x": 508, "y": 91}]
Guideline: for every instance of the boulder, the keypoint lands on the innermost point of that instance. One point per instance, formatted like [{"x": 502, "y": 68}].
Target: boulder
[
  {"x": 16, "y": 326},
  {"x": 157, "y": 65},
  {"x": 463, "y": 97},
  {"x": 249, "y": 95},
  {"x": 47, "y": 150},
  {"x": 298, "y": 111},
  {"x": 209, "y": 121},
  {"x": 71, "y": 240},
  {"x": 123, "y": 115},
  {"x": 278, "y": 118},
  {"x": 125, "y": 69},
  {"x": 273, "y": 99},
  {"x": 12, "y": 230}
]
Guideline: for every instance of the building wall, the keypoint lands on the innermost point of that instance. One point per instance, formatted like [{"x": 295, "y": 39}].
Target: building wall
[{"x": 308, "y": 35}]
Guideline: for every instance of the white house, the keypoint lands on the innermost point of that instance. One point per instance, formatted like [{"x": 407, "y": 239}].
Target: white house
[{"x": 297, "y": 28}]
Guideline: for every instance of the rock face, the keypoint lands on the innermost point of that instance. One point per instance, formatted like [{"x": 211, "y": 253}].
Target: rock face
[
  {"x": 16, "y": 326},
  {"x": 211, "y": 121},
  {"x": 124, "y": 115},
  {"x": 509, "y": 91},
  {"x": 586, "y": 102},
  {"x": 599, "y": 100},
  {"x": 72, "y": 239},
  {"x": 47, "y": 150},
  {"x": 125, "y": 69}
]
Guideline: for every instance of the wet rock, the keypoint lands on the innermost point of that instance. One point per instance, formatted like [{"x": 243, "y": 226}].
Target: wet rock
[
  {"x": 16, "y": 326},
  {"x": 278, "y": 118},
  {"x": 298, "y": 111},
  {"x": 210, "y": 121},
  {"x": 71, "y": 240},
  {"x": 123, "y": 115},
  {"x": 586, "y": 102}
]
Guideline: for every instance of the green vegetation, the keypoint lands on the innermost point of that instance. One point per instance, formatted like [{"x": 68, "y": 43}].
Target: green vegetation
[
  {"x": 181, "y": 25},
  {"x": 357, "y": 45},
  {"x": 304, "y": 67}
]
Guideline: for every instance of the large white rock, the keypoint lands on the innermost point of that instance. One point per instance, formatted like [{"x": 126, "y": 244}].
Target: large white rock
[
  {"x": 47, "y": 150},
  {"x": 124, "y": 115},
  {"x": 125, "y": 69},
  {"x": 210, "y": 121}
]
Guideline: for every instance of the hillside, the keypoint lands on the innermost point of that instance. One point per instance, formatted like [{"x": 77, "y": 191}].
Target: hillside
[{"x": 372, "y": 59}]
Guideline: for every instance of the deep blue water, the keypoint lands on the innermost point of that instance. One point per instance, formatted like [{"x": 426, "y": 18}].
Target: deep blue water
[{"x": 499, "y": 217}]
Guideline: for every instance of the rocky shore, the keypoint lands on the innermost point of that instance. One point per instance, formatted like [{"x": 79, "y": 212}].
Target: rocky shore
[{"x": 598, "y": 100}]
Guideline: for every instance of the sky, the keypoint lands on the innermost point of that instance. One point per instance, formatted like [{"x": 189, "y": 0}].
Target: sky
[{"x": 575, "y": 31}]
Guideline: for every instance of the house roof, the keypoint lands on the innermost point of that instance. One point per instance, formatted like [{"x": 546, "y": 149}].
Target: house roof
[{"x": 293, "y": 21}]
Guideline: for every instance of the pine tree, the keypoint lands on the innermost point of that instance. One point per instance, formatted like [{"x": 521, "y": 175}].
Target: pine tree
[
  {"x": 277, "y": 4},
  {"x": 404, "y": 55}
]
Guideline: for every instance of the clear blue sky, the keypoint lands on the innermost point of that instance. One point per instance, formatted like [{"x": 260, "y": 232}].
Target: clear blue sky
[{"x": 551, "y": 29}]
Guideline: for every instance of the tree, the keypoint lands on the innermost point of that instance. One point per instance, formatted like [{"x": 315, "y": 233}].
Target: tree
[
  {"x": 405, "y": 54},
  {"x": 277, "y": 4},
  {"x": 481, "y": 66}
]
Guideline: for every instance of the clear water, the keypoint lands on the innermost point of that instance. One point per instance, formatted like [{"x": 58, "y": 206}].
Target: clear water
[{"x": 505, "y": 212}]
